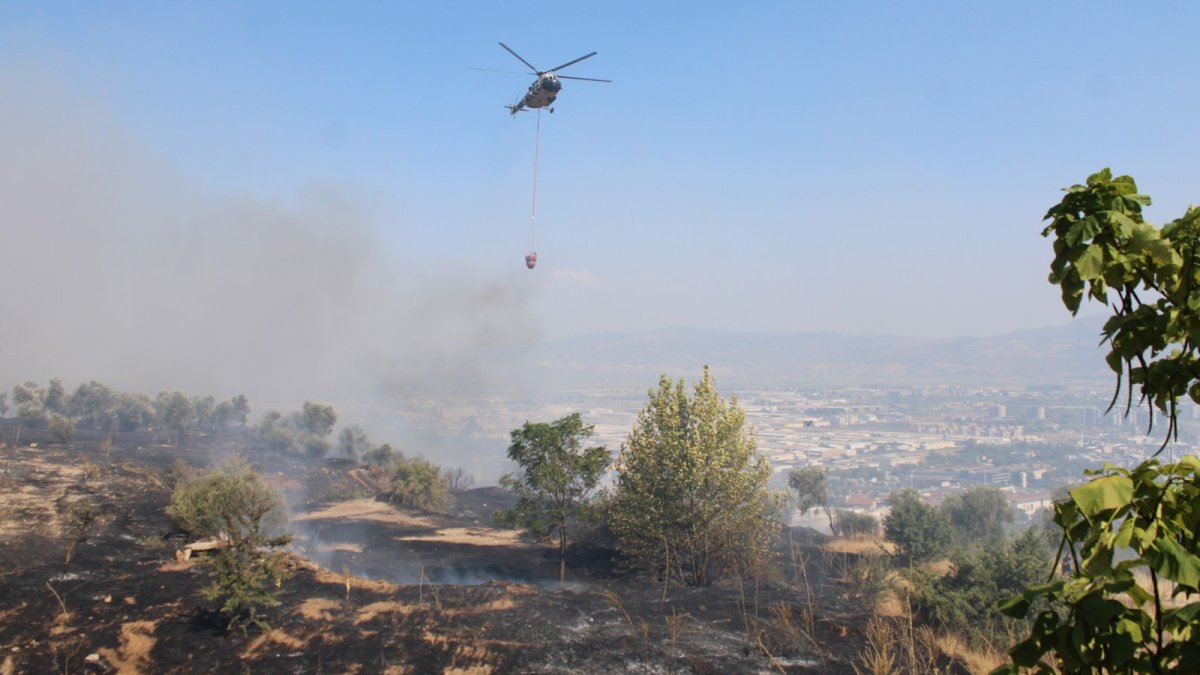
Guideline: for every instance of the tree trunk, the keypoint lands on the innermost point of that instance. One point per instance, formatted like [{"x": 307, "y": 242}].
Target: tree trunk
[{"x": 562, "y": 549}]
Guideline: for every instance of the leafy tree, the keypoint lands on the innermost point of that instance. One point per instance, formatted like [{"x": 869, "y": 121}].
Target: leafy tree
[
  {"x": 232, "y": 503},
  {"x": 692, "y": 497},
  {"x": 56, "y": 397},
  {"x": 854, "y": 524},
  {"x": 811, "y": 488},
  {"x": 318, "y": 418},
  {"x": 3, "y": 403},
  {"x": 92, "y": 402},
  {"x": 419, "y": 483},
  {"x": 964, "y": 601},
  {"x": 382, "y": 455},
  {"x": 557, "y": 475},
  {"x": 133, "y": 411},
  {"x": 1126, "y": 522},
  {"x": 204, "y": 409},
  {"x": 352, "y": 442},
  {"x": 174, "y": 413},
  {"x": 921, "y": 531},
  {"x": 222, "y": 415},
  {"x": 30, "y": 402},
  {"x": 978, "y": 515},
  {"x": 241, "y": 408}
]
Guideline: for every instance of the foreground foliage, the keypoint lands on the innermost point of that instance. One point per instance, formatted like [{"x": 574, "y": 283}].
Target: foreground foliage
[
  {"x": 692, "y": 498},
  {"x": 1127, "y": 523},
  {"x": 234, "y": 505}
]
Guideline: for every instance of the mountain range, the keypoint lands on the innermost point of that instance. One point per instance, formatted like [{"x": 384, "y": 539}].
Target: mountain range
[{"x": 1067, "y": 354}]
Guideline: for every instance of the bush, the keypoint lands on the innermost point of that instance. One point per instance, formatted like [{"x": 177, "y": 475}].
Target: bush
[
  {"x": 233, "y": 504},
  {"x": 420, "y": 484},
  {"x": 921, "y": 531},
  {"x": 855, "y": 524}
]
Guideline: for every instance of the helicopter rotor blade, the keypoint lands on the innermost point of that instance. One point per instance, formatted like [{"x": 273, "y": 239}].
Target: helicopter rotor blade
[
  {"x": 589, "y": 79},
  {"x": 489, "y": 70},
  {"x": 531, "y": 67},
  {"x": 568, "y": 63}
]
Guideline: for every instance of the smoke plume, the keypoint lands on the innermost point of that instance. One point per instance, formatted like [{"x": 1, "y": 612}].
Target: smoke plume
[{"x": 115, "y": 268}]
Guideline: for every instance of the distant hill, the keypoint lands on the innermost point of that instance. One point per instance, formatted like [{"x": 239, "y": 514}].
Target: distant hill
[{"x": 1066, "y": 354}]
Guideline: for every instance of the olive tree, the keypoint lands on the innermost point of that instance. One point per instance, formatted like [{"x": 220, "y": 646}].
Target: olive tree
[
  {"x": 353, "y": 442},
  {"x": 922, "y": 532},
  {"x": 1124, "y": 523},
  {"x": 30, "y": 402},
  {"x": 233, "y": 504},
  {"x": 174, "y": 413},
  {"x": 557, "y": 476},
  {"x": 979, "y": 515},
  {"x": 811, "y": 488},
  {"x": 692, "y": 498}
]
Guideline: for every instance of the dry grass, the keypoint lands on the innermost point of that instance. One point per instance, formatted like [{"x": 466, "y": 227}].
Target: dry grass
[
  {"x": 973, "y": 660},
  {"x": 318, "y": 609},
  {"x": 859, "y": 546},
  {"x": 375, "y": 609},
  {"x": 366, "y": 509},
  {"x": 132, "y": 655},
  {"x": 274, "y": 637},
  {"x": 473, "y": 536}
]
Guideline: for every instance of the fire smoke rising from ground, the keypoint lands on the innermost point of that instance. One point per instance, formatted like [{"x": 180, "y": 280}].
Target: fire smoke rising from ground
[{"x": 115, "y": 269}]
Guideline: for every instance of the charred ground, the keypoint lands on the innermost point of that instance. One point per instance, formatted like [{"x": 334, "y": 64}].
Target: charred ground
[{"x": 375, "y": 588}]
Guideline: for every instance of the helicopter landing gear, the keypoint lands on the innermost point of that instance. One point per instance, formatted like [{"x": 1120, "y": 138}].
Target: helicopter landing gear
[{"x": 552, "y": 111}]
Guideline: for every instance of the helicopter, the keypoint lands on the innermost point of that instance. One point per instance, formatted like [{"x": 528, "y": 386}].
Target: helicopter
[{"x": 545, "y": 88}]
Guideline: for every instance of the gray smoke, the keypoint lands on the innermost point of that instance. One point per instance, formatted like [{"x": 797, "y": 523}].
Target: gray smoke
[{"x": 115, "y": 268}]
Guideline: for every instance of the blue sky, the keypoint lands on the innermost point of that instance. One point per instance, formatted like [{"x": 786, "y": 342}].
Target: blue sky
[{"x": 764, "y": 166}]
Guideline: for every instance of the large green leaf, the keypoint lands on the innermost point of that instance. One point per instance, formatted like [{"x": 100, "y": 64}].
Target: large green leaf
[
  {"x": 1103, "y": 494},
  {"x": 1091, "y": 263},
  {"x": 1176, "y": 563}
]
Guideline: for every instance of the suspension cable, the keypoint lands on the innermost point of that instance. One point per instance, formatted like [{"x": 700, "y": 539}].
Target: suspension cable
[{"x": 537, "y": 141}]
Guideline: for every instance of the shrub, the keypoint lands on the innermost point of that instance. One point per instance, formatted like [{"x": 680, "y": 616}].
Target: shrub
[
  {"x": 855, "y": 524},
  {"x": 232, "y": 503},
  {"x": 418, "y": 483}
]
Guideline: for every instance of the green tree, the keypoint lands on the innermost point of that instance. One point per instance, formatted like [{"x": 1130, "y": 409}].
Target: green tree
[
  {"x": 30, "y": 402},
  {"x": 811, "y": 488},
  {"x": 978, "y": 515},
  {"x": 241, "y": 408},
  {"x": 854, "y": 524},
  {"x": 921, "y": 531},
  {"x": 233, "y": 504},
  {"x": 133, "y": 411},
  {"x": 419, "y": 483},
  {"x": 318, "y": 418},
  {"x": 56, "y": 397},
  {"x": 353, "y": 442},
  {"x": 964, "y": 601},
  {"x": 1126, "y": 522},
  {"x": 692, "y": 498},
  {"x": 92, "y": 402},
  {"x": 557, "y": 476},
  {"x": 174, "y": 414},
  {"x": 204, "y": 408}
]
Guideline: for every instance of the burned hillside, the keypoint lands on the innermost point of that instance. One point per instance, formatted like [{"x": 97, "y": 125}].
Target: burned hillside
[{"x": 395, "y": 589}]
